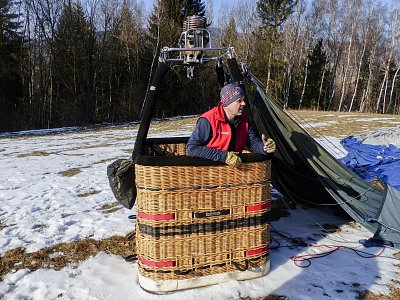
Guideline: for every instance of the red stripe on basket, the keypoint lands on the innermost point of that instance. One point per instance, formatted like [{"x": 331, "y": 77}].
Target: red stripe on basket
[
  {"x": 157, "y": 264},
  {"x": 259, "y": 206},
  {"x": 155, "y": 217},
  {"x": 257, "y": 251}
]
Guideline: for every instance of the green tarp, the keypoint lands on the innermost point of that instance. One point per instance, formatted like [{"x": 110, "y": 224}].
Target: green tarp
[{"x": 306, "y": 172}]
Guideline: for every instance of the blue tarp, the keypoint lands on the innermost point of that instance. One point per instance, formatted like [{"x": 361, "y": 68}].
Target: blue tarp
[{"x": 369, "y": 161}]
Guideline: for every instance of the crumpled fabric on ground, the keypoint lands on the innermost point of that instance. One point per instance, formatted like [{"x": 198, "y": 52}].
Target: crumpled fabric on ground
[{"x": 369, "y": 161}]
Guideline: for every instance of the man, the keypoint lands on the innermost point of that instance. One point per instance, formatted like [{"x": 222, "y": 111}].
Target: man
[{"x": 224, "y": 131}]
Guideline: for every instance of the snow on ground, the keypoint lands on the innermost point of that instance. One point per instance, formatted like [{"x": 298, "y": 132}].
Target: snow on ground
[
  {"x": 382, "y": 137},
  {"x": 53, "y": 189}
]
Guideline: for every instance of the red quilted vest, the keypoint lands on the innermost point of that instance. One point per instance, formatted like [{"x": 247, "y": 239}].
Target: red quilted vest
[{"x": 221, "y": 131}]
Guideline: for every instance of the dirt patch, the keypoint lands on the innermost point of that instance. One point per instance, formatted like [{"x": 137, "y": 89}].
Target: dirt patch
[
  {"x": 88, "y": 193},
  {"x": 110, "y": 207},
  {"x": 61, "y": 255},
  {"x": 70, "y": 172},
  {"x": 173, "y": 125},
  {"x": 330, "y": 228},
  {"x": 35, "y": 153},
  {"x": 339, "y": 124},
  {"x": 394, "y": 295}
]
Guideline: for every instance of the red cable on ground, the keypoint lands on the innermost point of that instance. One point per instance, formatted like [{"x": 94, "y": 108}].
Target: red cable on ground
[{"x": 306, "y": 258}]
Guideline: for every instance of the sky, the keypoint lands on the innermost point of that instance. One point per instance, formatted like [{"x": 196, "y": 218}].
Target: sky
[
  {"x": 216, "y": 4},
  {"x": 42, "y": 207}
]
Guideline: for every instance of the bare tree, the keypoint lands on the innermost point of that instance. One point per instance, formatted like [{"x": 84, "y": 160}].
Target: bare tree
[
  {"x": 246, "y": 23},
  {"x": 395, "y": 40},
  {"x": 294, "y": 44},
  {"x": 351, "y": 10},
  {"x": 364, "y": 34},
  {"x": 43, "y": 16}
]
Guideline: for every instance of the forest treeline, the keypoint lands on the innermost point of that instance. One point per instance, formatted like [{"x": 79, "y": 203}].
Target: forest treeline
[{"x": 71, "y": 62}]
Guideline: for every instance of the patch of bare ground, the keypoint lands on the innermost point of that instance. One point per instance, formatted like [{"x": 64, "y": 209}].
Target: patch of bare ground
[
  {"x": 342, "y": 124},
  {"x": 110, "y": 207},
  {"x": 173, "y": 125},
  {"x": 34, "y": 153},
  {"x": 330, "y": 228},
  {"x": 393, "y": 295},
  {"x": 88, "y": 193},
  {"x": 70, "y": 172},
  {"x": 61, "y": 255}
]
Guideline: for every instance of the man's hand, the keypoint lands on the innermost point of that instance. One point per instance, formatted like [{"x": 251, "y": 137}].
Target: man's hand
[
  {"x": 269, "y": 144},
  {"x": 232, "y": 159}
]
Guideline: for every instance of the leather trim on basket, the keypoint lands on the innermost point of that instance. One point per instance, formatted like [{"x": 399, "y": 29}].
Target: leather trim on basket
[
  {"x": 149, "y": 160},
  {"x": 257, "y": 251},
  {"x": 207, "y": 214},
  {"x": 156, "y": 217},
  {"x": 156, "y": 264},
  {"x": 203, "y": 227},
  {"x": 258, "y": 207}
]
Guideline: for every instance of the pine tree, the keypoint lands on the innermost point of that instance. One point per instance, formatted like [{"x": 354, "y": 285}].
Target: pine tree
[
  {"x": 73, "y": 59},
  {"x": 315, "y": 93},
  {"x": 11, "y": 89},
  {"x": 164, "y": 29},
  {"x": 230, "y": 36},
  {"x": 274, "y": 12},
  {"x": 127, "y": 82},
  {"x": 166, "y": 20}
]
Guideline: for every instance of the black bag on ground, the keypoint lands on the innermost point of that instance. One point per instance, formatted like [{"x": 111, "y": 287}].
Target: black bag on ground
[{"x": 121, "y": 176}]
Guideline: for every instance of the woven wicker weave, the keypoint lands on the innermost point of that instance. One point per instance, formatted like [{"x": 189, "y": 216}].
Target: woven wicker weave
[
  {"x": 167, "y": 149},
  {"x": 200, "y": 220}
]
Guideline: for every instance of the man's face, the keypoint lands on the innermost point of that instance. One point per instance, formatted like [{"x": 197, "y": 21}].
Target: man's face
[{"x": 235, "y": 108}]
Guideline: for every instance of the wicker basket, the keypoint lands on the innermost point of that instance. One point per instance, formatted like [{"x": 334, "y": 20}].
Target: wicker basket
[{"x": 197, "y": 222}]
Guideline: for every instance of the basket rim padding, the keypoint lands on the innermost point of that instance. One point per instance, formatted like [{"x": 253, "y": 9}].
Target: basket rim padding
[{"x": 150, "y": 160}]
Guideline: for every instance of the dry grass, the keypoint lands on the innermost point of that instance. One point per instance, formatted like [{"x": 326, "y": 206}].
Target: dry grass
[
  {"x": 70, "y": 172},
  {"x": 88, "y": 193},
  {"x": 172, "y": 125},
  {"x": 330, "y": 228},
  {"x": 35, "y": 153},
  {"x": 394, "y": 294},
  {"x": 61, "y": 255},
  {"x": 108, "y": 208},
  {"x": 342, "y": 124}
]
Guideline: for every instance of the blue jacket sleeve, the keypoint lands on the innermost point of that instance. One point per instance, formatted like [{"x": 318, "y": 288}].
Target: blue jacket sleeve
[{"x": 199, "y": 138}]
